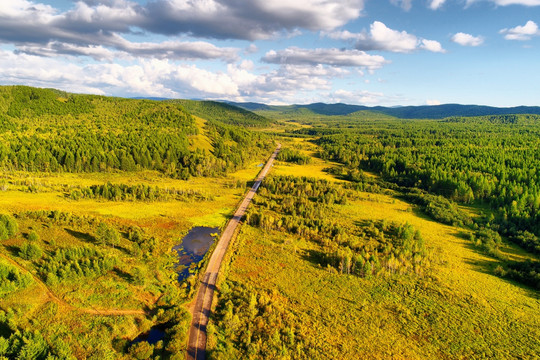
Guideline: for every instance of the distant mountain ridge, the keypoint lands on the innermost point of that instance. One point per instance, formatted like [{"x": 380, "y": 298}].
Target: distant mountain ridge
[{"x": 404, "y": 112}]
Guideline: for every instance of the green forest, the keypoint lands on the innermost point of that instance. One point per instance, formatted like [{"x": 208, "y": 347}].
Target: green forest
[
  {"x": 44, "y": 130},
  {"x": 372, "y": 236}
]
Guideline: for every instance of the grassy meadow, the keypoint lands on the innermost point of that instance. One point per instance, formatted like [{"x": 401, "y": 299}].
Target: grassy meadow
[
  {"x": 276, "y": 298},
  {"x": 89, "y": 267},
  {"x": 315, "y": 168},
  {"x": 50, "y": 191},
  {"x": 118, "y": 305}
]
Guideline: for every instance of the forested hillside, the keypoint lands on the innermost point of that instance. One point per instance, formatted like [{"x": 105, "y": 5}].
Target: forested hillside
[
  {"x": 47, "y": 130},
  {"x": 401, "y": 112},
  {"x": 224, "y": 112}
]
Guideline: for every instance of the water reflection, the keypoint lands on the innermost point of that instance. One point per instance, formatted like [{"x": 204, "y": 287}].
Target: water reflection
[
  {"x": 155, "y": 334},
  {"x": 193, "y": 248}
]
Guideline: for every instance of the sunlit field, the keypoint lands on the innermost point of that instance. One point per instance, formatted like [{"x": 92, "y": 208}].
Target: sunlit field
[{"x": 456, "y": 308}]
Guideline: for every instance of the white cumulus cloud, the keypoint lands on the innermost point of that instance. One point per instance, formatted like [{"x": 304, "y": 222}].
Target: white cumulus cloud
[
  {"x": 517, "y": 2},
  {"x": 381, "y": 37},
  {"x": 146, "y": 77},
  {"x": 95, "y": 23},
  {"x": 333, "y": 57},
  {"x": 166, "y": 78},
  {"x": 435, "y": 4},
  {"x": 525, "y": 32},
  {"x": 250, "y": 20},
  {"x": 431, "y": 45},
  {"x": 467, "y": 39},
  {"x": 507, "y": 2}
]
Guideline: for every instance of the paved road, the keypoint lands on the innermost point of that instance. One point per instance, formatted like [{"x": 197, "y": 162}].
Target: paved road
[{"x": 203, "y": 303}]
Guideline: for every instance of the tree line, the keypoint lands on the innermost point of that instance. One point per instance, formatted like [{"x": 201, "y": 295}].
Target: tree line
[
  {"x": 293, "y": 156},
  {"x": 140, "y": 192}
]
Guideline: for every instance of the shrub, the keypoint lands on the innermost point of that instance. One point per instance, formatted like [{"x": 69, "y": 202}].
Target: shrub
[
  {"x": 30, "y": 251},
  {"x": 293, "y": 156},
  {"x": 12, "y": 280},
  {"x": 136, "y": 235},
  {"x": 107, "y": 235},
  {"x": 141, "y": 350},
  {"x": 528, "y": 240},
  {"x": 8, "y": 227},
  {"x": 33, "y": 236},
  {"x": 490, "y": 241},
  {"x": 439, "y": 208},
  {"x": 3, "y": 232},
  {"x": 74, "y": 263},
  {"x": 526, "y": 272}
]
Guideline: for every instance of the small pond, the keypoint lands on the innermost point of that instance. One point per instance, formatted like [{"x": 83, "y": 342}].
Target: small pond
[
  {"x": 190, "y": 251},
  {"x": 155, "y": 334},
  {"x": 193, "y": 248}
]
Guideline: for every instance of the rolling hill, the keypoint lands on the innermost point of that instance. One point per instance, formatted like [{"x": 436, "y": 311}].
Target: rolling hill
[{"x": 403, "y": 112}]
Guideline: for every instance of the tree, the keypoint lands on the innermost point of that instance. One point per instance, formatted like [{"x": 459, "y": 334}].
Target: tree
[
  {"x": 138, "y": 276},
  {"x": 30, "y": 251},
  {"x": 136, "y": 235},
  {"x": 8, "y": 227},
  {"x": 141, "y": 350},
  {"x": 69, "y": 161},
  {"x": 10, "y": 224},
  {"x": 107, "y": 235}
]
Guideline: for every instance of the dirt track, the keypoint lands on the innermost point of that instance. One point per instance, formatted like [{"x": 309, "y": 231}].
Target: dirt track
[{"x": 201, "y": 309}]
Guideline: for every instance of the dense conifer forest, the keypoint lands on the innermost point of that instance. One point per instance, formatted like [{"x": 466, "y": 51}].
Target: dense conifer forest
[{"x": 46, "y": 130}]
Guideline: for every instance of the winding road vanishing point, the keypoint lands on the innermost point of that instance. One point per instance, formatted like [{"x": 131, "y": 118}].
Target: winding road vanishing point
[{"x": 201, "y": 310}]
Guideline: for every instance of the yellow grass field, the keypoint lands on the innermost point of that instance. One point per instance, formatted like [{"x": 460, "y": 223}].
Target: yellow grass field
[
  {"x": 456, "y": 310},
  {"x": 313, "y": 169},
  {"x": 50, "y": 196},
  {"x": 201, "y": 140},
  {"x": 456, "y": 263},
  {"x": 110, "y": 306}
]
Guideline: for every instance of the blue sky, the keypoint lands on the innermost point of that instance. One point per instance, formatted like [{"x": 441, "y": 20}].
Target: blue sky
[{"x": 369, "y": 52}]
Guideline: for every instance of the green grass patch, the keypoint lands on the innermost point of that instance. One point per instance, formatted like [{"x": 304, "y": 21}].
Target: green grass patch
[{"x": 457, "y": 309}]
